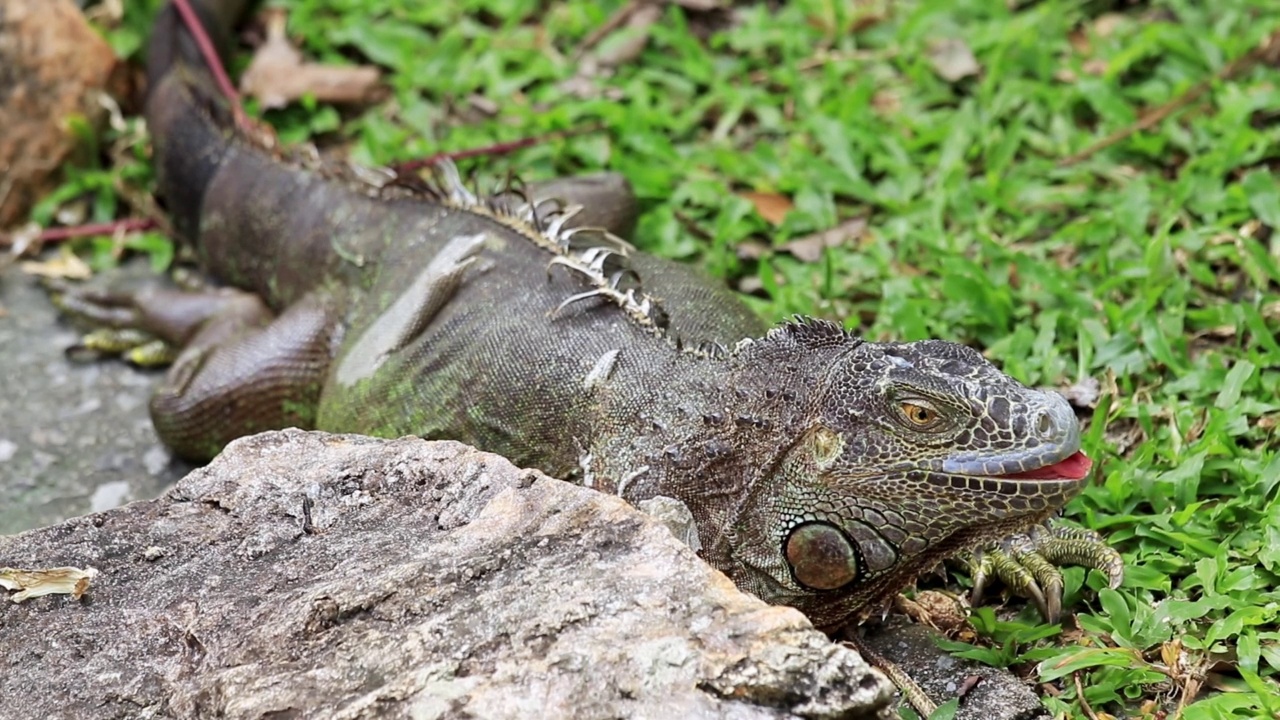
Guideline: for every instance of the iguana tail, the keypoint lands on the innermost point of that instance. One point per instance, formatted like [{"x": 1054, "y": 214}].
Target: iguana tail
[
  {"x": 172, "y": 42},
  {"x": 255, "y": 219},
  {"x": 189, "y": 131}
]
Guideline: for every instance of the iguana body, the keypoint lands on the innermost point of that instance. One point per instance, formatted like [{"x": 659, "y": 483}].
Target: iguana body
[{"x": 822, "y": 471}]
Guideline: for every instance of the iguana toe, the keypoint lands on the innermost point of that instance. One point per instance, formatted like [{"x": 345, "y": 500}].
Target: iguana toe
[
  {"x": 152, "y": 354},
  {"x": 136, "y": 346},
  {"x": 1028, "y": 563},
  {"x": 95, "y": 307},
  {"x": 1064, "y": 545}
]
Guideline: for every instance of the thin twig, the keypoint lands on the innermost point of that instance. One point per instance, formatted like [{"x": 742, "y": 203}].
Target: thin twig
[
  {"x": 1084, "y": 704},
  {"x": 77, "y": 231},
  {"x": 827, "y": 57},
  {"x": 192, "y": 21},
  {"x": 496, "y": 149},
  {"x": 615, "y": 21},
  {"x": 1269, "y": 50},
  {"x": 107, "y": 228},
  {"x": 910, "y": 689}
]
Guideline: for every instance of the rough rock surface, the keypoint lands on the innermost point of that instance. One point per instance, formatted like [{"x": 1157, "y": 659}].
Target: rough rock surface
[
  {"x": 52, "y": 65},
  {"x": 430, "y": 580},
  {"x": 997, "y": 695},
  {"x": 74, "y": 438}
]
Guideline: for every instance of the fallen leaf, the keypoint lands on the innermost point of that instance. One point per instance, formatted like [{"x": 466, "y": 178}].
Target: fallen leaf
[
  {"x": 483, "y": 105},
  {"x": 700, "y": 5},
  {"x": 1083, "y": 393},
  {"x": 750, "y": 285},
  {"x": 63, "y": 265},
  {"x": 626, "y": 44},
  {"x": 277, "y": 74},
  {"x": 1108, "y": 23},
  {"x": 771, "y": 206},
  {"x": 46, "y": 581},
  {"x": 1079, "y": 41},
  {"x": 751, "y": 250},
  {"x": 809, "y": 248},
  {"x": 886, "y": 102},
  {"x": 952, "y": 59},
  {"x": 54, "y": 67}
]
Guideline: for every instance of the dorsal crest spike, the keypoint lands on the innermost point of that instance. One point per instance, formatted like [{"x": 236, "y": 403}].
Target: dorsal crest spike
[
  {"x": 593, "y": 254},
  {"x": 812, "y": 331}
]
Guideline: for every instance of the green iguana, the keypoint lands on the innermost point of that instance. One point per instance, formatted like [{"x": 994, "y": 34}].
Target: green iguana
[{"x": 823, "y": 471}]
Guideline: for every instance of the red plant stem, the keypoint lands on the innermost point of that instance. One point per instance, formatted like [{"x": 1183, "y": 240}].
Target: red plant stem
[
  {"x": 495, "y": 149},
  {"x": 109, "y": 228},
  {"x": 211, "y": 58}
]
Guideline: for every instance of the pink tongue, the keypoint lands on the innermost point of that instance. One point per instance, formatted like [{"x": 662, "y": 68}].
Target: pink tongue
[{"x": 1073, "y": 468}]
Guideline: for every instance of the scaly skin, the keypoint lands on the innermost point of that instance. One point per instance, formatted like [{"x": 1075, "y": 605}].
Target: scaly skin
[{"x": 822, "y": 471}]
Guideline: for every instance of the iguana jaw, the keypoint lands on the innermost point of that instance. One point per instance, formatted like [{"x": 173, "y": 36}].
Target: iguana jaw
[
  {"x": 1074, "y": 467},
  {"x": 1048, "y": 449}
]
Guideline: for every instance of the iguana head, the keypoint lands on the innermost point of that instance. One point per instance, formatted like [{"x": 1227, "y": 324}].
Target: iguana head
[{"x": 907, "y": 453}]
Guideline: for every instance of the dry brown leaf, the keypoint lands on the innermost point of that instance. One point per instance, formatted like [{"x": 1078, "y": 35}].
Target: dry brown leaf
[
  {"x": 1107, "y": 23},
  {"x": 952, "y": 59},
  {"x": 55, "y": 66},
  {"x": 1079, "y": 41},
  {"x": 63, "y": 265},
  {"x": 750, "y": 285},
  {"x": 46, "y": 581},
  {"x": 700, "y": 5},
  {"x": 751, "y": 250},
  {"x": 944, "y": 611},
  {"x": 277, "y": 74},
  {"x": 626, "y": 44},
  {"x": 771, "y": 206},
  {"x": 809, "y": 248},
  {"x": 1083, "y": 393},
  {"x": 886, "y": 102}
]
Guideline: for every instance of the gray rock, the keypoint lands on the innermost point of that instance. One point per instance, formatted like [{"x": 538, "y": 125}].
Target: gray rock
[
  {"x": 997, "y": 694},
  {"x": 74, "y": 438},
  {"x": 307, "y": 575}
]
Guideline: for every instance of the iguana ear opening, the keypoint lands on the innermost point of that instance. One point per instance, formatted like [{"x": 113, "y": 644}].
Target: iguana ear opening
[{"x": 821, "y": 556}]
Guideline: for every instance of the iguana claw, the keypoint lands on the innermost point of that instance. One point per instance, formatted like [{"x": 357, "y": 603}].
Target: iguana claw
[
  {"x": 1028, "y": 563},
  {"x": 94, "y": 306},
  {"x": 135, "y": 346},
  {"x": 119, "y": 325}
]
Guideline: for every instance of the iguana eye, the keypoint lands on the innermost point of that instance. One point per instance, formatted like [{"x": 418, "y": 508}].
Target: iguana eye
[
  {"x": 919, "y": 415},
  {"x": 821, "y": 557}
]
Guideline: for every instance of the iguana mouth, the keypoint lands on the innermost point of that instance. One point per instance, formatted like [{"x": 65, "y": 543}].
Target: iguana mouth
[{"x": 1075, "y": 467}]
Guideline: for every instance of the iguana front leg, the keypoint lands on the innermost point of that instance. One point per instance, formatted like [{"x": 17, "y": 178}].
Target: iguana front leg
[{"x": 1028, "y": 564}]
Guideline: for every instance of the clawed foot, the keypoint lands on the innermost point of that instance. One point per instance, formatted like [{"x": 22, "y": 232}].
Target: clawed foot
[
  {"x": 133, "y": 346},
  {"x": 119, "y": 322},
  {"x": 1028, "y": 563}
]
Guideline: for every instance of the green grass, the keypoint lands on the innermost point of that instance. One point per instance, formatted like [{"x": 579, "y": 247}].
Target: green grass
[{"x": 1152, "y": 266}]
